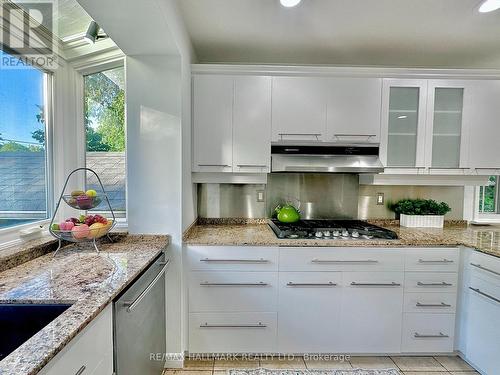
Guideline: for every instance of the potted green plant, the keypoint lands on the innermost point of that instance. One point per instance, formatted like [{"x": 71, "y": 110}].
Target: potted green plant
[{"x": 426, "y": 213}]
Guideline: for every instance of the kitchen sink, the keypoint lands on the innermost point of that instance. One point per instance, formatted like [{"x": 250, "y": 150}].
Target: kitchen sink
[{"x": 20, "y": 321}]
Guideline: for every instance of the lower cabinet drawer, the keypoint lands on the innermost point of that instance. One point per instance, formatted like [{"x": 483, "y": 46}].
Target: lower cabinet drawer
[
  {"x": 90, "y": 352},
  {"x": 441, "y": 282},
  {"x": 232, "y": 332},
  {"x": 428, "y": 333},
  {"x": 211, "y": 291},
  {"x": 425, "y": 302}
]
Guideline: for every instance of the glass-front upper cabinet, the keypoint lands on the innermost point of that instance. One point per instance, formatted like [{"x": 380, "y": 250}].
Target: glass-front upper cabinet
[
  {"x": 444, "y": 124},
  {"x": 403, "y": 123}
]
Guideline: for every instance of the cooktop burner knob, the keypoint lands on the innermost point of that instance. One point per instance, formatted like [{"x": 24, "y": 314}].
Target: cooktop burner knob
[
  {"x": 318, "y": 234},
  {"x": 335, "y": 233},
  {"x": 345, "y": 233},
  {"x": 355, "y": 234},
  {"x": 326, "y": 233}
]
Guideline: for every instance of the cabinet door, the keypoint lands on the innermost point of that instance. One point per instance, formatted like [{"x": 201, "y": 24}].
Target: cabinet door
[
  {"x": 403, "y": 123},
  {"x": 372, "y": 307},
  {"x": 252, "y": 124},
  {"x": 482, "y": 120},
  {"x": 354, "y": 106},
  {"x": 299, "y": 109},
  {"x": 444, "y": 124},
  {"x": 212, "y": 123},
  {"x": 309, "y": 311},
  {"x": 483, "y": 326}
]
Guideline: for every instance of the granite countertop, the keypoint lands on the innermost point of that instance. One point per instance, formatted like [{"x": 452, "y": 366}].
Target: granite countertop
[
  {"x": 483, "y": 238},
  {"x": 77, "y": 275}
]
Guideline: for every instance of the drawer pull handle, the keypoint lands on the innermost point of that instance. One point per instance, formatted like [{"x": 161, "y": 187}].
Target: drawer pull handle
[
  {"x": 485, "y": 269},
  {"x": 252, "y": 165},
  {"x": 446, "y": 261},
  {"x": 311, "y": 284},
  {"x": 484, "y": 294},
  {"x": 261, "y": 283},
  {"x": 81, "y": 370},
  {"x": 354, "y": 283},
  {"x": 367, "y": 261},
  {"x": 442, "y": 304},
  {"x": 434, "y": 284},
  {"x": 439, "y": 336},
  {"x": 214, "y": 165},
  {"x": 259, "y": 325},
  {"x": 261, "y": 260}
]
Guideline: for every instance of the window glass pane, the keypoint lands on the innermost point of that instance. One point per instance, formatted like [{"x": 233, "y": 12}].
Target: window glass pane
[
  {"x": 488, "y": 196},
  {"x": 23, "y": 178},
  {"x": 105, "y": 135},
  {"x": 403, "y": 122}
]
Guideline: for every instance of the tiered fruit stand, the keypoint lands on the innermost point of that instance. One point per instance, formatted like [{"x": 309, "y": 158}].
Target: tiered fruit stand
[{"x": 76, "y": 230}]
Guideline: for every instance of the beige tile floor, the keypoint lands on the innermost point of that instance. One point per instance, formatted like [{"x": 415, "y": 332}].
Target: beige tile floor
[{"x": 443, "y": 365}]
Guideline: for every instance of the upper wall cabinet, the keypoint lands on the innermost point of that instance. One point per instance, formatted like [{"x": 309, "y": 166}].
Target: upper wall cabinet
[
  {"x": 299, "y": 108},
  {"x": 213, "y": 123},
  {"x": 354, "y": 106},
  {"x": 403, "y": 123},
  {"x": 482, "y": 116},
  {"x": 231, "y": 123},
  {"x": 252, "y": 124}
]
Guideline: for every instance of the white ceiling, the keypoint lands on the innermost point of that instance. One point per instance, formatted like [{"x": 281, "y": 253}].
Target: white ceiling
[{"x": 412, "y": 33}]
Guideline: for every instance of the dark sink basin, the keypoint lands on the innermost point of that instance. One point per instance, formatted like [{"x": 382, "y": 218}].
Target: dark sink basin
[{"x": 20, "y": 321}]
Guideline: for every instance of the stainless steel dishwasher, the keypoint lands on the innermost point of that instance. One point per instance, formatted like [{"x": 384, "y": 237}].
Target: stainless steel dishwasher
[{"x": 139, "y": 323}]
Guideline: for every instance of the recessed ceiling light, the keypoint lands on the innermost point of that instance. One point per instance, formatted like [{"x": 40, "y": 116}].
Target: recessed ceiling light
[
  {"x": 489, "y": 6},
  {"x": 289, "y": 3}
]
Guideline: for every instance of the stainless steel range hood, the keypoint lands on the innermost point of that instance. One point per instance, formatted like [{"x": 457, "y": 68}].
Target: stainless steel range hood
[{"x": 326, "y": 158}]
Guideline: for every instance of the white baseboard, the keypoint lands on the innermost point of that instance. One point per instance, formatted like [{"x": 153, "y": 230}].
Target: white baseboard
[{"x": 176, "y": 360}]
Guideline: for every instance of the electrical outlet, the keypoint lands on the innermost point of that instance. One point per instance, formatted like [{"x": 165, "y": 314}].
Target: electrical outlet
[
  {"x": 261, "y": 196},
  {"x": 380, "y": 199}
]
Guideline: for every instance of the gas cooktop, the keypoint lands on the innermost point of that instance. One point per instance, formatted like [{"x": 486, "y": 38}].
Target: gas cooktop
[{"x": 331, "y": 229}]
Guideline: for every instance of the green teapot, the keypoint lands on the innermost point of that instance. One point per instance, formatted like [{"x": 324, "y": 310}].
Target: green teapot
[{"x": 287, "y": 213}]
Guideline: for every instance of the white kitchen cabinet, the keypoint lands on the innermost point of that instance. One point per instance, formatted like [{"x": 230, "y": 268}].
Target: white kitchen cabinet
[
  {"x": 482, "y": 118},
  {"x": 252, "y": 124},
  {"x": 428, "y": 333},
  {"x": 372, "y": 308},
  {"x": 403, "y": 123},
  {"x": 299, "y": 109},
  {"x": 354, "y": 106},
  {"x": 213, "y": 123},
  {"x": 91, "y": 351},
  {"x": 309, "y": 312}
]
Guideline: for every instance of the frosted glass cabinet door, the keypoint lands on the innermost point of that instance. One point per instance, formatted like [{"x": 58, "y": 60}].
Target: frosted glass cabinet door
[
  {"x": 403, "y": 123},
  {"x": 445, "y": 126}
]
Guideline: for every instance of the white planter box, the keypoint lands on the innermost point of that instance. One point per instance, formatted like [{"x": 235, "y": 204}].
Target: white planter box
[{"x": 421, "y": 221}]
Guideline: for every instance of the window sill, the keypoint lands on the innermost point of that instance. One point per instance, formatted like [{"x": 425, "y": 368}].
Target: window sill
[{"x": 11, "y": 236}]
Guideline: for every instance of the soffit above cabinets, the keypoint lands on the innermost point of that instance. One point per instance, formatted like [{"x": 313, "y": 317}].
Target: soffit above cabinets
[{"x": 424, "y": 33}]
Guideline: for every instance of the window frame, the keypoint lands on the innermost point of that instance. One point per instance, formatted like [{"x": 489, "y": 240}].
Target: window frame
[
  {"x": 481, "y": 217},
  {"x": 88, "y": 69},
  {"x": 12, "y": 235}
]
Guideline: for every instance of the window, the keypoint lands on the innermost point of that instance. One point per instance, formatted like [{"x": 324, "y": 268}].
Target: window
[
  {"x": 489, "y": 197},
  {"x": 24, "y": 186},
  {"x": 104, "y": 111}
]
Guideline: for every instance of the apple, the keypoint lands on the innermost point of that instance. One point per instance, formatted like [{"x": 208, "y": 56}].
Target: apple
[
  {"x": 66, "y": 225},
  {"x": 91, "y": 193},
  {"x": 55, "y": 227},
  {"x": 98, "y": 230},
  {"x": 80, "y": 231},
  {"x": 77, "y": 193},
  {"x": 84, "y": 202}
]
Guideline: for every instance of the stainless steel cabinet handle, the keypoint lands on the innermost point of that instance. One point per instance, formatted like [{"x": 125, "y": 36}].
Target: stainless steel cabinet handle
[
  {"x": 213, "y": 165},
  {"x": 485, "y": 269},
  {"x": 435, "y": 261},
  {"x": 367, "y": 261},
  {"x": 442, "y": 304},
  {"x": 81, "y": 370},
  {"x": 311, "y": 284},
  {"x": 354, "y": 283},
  {"x": 234, "y": 284},
  {"x": 313, "y": 134},
  {"x": 259, "y": 325},
  {"x": 355, "y": 135},
  {"x": 133, "y": 304},
  {"x": 434, "y": 284},
  {"x": 261, "y": 260},
  {"x": 252, "y": 165},
  {"x": 438, "y": 336},
  {"x": 484, "y": 294}
]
